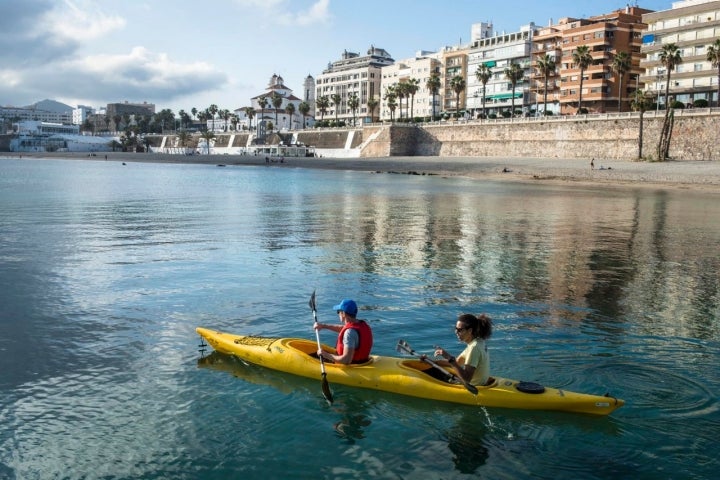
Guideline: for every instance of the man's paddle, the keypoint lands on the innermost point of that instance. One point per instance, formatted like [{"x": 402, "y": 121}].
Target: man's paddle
[
  {"x": 325, "y": 387},
  {"x": 403, "y": 346}
]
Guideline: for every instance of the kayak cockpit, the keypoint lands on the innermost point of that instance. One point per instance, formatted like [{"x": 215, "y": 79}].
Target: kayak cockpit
[{"x": 310, "y": 348}]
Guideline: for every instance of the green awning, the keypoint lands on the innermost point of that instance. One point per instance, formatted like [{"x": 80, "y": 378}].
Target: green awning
[{"x": 504, "y": 96}]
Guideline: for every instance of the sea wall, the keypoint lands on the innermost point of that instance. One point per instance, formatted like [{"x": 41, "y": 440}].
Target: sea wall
[{"x": 566, "y": 137}]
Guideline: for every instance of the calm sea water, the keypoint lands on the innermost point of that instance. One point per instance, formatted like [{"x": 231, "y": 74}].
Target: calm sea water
[{"x": 106, "y": 270}]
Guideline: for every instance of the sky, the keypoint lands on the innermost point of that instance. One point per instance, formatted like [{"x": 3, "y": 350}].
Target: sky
[{"x": 182, "y": 54}]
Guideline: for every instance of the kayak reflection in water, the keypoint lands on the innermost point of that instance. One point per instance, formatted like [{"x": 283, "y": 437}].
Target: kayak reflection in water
[
  {"x": 473, "y": 364},
  {"x": 355, "y": 338}
]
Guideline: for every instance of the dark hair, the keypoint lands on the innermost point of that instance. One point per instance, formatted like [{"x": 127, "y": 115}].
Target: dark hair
[{"x": 481, "y": 325}]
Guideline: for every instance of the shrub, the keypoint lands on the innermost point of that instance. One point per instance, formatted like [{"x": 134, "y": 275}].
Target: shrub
[
  {"x": 505, "y": 114},
  {"x": 701, "y": 103},
  {"x": 678, "y": 104}
]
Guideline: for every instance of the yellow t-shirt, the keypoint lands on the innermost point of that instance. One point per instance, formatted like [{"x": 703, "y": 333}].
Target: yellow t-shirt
[{"x": 477, "y": 355}]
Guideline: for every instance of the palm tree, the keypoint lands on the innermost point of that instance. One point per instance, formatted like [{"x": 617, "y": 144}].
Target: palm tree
[
  {"x": 433, "y": 84},
  {"x": 640, "y": 103},
  {"x": 322, "y": 104},
  {"x": 337, "y": 100},
  {"x": 546, "y": 65},
  {"x": 621, "y": 64},
  {"x": 514, "y": 73},
  {"x": 413, "y": 85},
  {"x": 304, "y": 109},
  {"x": 372, "y": 105},
  {"x": 290, "y": 110},
  {"x": 390, "y": 97},
  {"x": 713, "y": 56},
  {"x": 457, "y": 83},
  {"x": 277, "y": 101},
  {"x": 208, "y": 135},
  {"x": 483, "y": 74},
  {"x": 353, "y": 103},
  {"x": 212, "y": 110},
  {"x": 250, "y": 112},
  {"x": 400, "y": 91},
  {"x": 669, "y": 57},
  {"x": 583, "y": 59},
  {"x": 183, "y": 137}
]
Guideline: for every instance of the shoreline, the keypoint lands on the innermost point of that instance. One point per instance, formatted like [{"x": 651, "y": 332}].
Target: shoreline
[{"x": 692, "y": 175}]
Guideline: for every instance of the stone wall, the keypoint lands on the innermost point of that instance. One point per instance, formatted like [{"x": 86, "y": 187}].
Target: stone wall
[{"x": 614, "y": 138}]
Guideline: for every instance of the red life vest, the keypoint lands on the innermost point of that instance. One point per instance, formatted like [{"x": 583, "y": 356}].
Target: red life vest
[{"x": 362, "y": 353}]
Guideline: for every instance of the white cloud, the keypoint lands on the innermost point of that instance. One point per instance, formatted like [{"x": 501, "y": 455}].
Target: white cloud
[
  {"x": 281, "y": 11},
  {"x": 81, "y": 21}
]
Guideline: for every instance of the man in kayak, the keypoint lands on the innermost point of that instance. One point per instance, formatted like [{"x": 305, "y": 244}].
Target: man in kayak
[
  {"x": 355, "y": 338},
  {"x": 473, "y": 364}
]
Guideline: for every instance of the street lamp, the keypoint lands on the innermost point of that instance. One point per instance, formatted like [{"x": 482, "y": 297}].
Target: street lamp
[{"x": 658, "y": 77}]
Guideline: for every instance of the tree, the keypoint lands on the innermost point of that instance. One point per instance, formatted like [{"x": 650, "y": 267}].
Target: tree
[
  {"x": 304, "y": 109},
  {"x": 336, "y": 100},
  {"x": 457, "y": 83},
  {"x": 372, "y": 105},
  {"x": 546, "y": 65},
  {"x": 514, "y": 73},
  {"x": 390, "y": 97},
  {"x": 713, "y": 56},
  {"x": 322, "y": 103},
  {"x": 212, "y": 110},
  {"x": 290, "y": 110},
  {"x": 670, "y": 58},
  {"x": 583, "y": 59},
  {"x": 277, "y": 101},
  {"x": 400, "y": 92},
  {"x": 250, "y": 112},
  {"x": 483, "y": 74},
  {"x": 183, "y": 136},
  {"x": 413, "y": 85},
  {"x": 433, "y": 84},
  {"x": 621, "y": 64},
  {"x": 640, "y": 103},
  {"x": 353, "y": 104},
  {"x": 208, "y": 135}
]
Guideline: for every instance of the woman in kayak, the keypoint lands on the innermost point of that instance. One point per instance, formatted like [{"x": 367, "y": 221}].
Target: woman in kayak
[
  {"x": 473, "y": 364},
  {"x": 355, "y": 338}
]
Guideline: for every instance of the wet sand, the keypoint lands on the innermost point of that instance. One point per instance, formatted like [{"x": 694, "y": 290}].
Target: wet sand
[{"x": 697, "y": 175}]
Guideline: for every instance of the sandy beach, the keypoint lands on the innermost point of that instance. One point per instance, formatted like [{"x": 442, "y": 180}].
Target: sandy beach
[{"x": 697, "y": 175}]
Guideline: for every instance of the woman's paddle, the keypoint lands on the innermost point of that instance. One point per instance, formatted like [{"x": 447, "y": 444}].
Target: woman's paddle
[
  {"x": 403, "y": 346},
  {"x": 325, "y": 387}
]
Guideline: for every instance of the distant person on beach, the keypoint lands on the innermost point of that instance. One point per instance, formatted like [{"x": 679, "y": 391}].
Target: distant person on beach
[
  {"x": 355, "y": 338},
  {"x": 592, "y": 164}
]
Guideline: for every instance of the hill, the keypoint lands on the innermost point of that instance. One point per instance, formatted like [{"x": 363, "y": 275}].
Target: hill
[{"x": 51, "y": 106}]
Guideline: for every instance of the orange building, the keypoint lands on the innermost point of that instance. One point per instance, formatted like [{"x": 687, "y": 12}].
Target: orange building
[{"x": 605, "y": 36}]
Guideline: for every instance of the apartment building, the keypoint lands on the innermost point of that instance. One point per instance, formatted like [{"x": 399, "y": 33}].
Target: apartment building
[
  {"x": 352, "y": 75},
  {"x": 692, "y": 25},
  {"x": 454, "y": 63},
  {"x": 606, "y": 35},
  {"x": 498, "y": 51},
  {"x": 418, "y": 68}
]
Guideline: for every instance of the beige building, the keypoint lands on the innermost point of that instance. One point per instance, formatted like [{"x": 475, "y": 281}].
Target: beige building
[
  {"x": 352, "y": 75},
  {"x": 419, "y": 68},
  {"x": 692, "y": 25},
  {"x": 454, "y": 63}
]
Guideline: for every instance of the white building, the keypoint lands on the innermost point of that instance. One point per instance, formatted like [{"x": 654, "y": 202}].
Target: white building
[
  {"x": 35, "y": 136},
  {"x": 267, "y": 113},
  {"x": 498, "y": 51},
  {"x": 352, "y": 76},
  {"x": 692, "y": 25},
  {"x": 80, "y": 114},
  {"x": 419, "y": 69}
]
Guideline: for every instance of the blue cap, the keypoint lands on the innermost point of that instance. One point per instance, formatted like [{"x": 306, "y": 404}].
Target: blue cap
[{"x": 347, "y": 306}]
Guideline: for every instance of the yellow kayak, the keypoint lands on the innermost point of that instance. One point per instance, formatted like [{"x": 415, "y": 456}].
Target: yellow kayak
[{"x": 405, "y": 376}]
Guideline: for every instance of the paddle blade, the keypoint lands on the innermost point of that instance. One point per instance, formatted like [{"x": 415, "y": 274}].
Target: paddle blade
[
  {"x": 312, "y": 301},
  {"x": 326, "y": 389}
]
